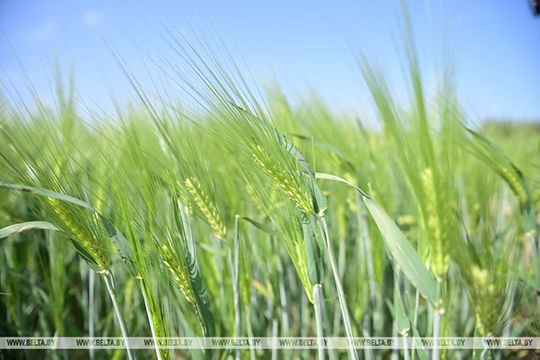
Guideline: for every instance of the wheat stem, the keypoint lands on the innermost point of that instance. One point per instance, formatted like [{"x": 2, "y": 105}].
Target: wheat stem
[
  {"x": 339, "y": 287},
  {"x": 151, "y": 322},
  {"x": 236, "y": 286},
  {"x": 91, "y": 301},
  {"x": 437, "y": 317},
  {"x": 119, "y": 317},
  {"x": 318, "y": 298}
]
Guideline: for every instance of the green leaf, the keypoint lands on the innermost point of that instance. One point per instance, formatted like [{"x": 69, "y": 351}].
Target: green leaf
[
  {"x": 121, "y": 243},
  {"x": 118, "y": 239},
  {"x": 402, "y": 321},
  {"x": 403, "y": 253},
  {"x": 260, "y": 226},
  {"x": 86, "y": 256},
  {"x": 326, "y": 146},
  {"x": 48, "y": 193},
  {"x": 313, "y": 253},
  {"x": 26, "y": 226},
  {"x": 320, "y": 144},
  {"x": 202, "y": 300},
  {"x": 421, "y": 351},
  {"x": 337, "y": 178},
  {"x": 44, "y": 225}
]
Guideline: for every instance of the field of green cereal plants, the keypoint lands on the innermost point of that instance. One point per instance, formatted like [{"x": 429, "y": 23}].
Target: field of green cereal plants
[{"x": 248, "y": 215}]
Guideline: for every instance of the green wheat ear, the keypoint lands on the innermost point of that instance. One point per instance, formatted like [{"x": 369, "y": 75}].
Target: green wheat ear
[
  {"x": 440, "y": 257},
  {"x": 207, "y": 207},
  {"x": 179, "y": 271},
  {"x": 80, "y": 234},
  {"x": 285, "y": 180}
]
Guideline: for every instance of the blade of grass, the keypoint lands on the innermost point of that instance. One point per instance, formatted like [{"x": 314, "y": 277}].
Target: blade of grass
[
  {"x": 404, "y": 254},
  {"x": 30, "y": 225}
]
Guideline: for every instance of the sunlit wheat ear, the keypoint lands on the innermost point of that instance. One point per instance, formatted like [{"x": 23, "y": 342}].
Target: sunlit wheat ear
[
  {"x": 286, "y": 181},
  {"x": 481, "y": 277},
  {"x": 492, "y": 302},
  {"x": 498, "y": 161},
  {"x": 81, "y": 235},
  {"x": 179, "y": 272},
  {"x": 440, "y": 258},
  {"x": 406, "y": 220},
  {"x": 511, "y": 177},
  {"x": 284, "y": 218},
  {"x": 207, "y": 207}
]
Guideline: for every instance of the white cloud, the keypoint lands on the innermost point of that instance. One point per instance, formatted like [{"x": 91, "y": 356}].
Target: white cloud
[{"x": 92, "y": 18}]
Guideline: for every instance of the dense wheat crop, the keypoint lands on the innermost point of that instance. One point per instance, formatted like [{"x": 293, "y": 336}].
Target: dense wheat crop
[{"x": 249, "y": 217}]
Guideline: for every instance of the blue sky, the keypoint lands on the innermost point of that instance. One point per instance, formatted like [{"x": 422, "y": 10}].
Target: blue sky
[{"x": 304, "y": 44}]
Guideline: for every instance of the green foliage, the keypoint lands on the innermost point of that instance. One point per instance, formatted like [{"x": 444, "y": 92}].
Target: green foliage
[{"x": 156, "y": 197}]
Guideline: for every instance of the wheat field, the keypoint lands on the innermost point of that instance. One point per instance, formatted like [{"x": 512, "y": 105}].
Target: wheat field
[{"x": 239, "y": 213}]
